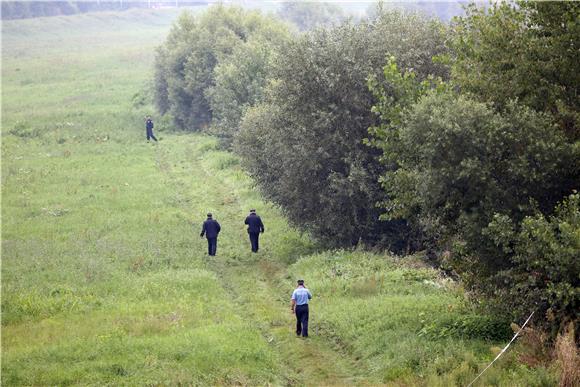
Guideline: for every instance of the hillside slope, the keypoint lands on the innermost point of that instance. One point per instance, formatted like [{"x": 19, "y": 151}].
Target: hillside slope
[{"x": 105, "y": 279}]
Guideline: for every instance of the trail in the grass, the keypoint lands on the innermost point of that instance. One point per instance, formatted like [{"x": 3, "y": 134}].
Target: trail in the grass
[{"x": 250, "y": 280}]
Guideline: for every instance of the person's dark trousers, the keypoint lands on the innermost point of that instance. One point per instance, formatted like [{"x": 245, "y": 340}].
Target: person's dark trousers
[
  {"x": 254, "y": 237},
  {"x": 302, "y": 320},
  {"x": 211, "y": 246},
  {"x": 150, "y": 134}
]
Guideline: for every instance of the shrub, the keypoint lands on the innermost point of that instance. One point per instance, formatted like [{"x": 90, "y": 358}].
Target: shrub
[
  {"x": 303, "y": 143},
  {"x": 193, "y": 72},
  {"x": 25, "y": 130},
  {"x": 545, "y": 266},
  {"x": 525, "y": 51},
  {"x": 467, "y": 326}
]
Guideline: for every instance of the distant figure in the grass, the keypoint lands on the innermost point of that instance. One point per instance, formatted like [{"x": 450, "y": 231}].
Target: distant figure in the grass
[
  {"x": 255, "y": 227},
  {"x": 211, "y": 228},
  {"x": 299, "y": 306},
  {"x": 149, "y": 127}
]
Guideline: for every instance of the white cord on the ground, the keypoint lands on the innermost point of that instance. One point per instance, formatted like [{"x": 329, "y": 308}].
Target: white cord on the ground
[{"x": 502, "y": 351}]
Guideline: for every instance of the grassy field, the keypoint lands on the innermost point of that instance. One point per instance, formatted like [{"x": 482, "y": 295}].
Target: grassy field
[{"x": 105, "y": 279}]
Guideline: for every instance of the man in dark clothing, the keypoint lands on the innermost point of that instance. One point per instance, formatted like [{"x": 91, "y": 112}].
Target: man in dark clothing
[
  {"x": 255, "y": 227},
  {"x": 211, "y": 228},
  {"x": 149, "y": 127}
]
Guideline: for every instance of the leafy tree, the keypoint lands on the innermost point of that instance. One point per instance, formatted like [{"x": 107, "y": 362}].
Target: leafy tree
[
  {"x": 544, "y": 254},
  {"x": 241, "y": 78},
  {"x": 526, "y": 51},
  {"x": 468, "y": 162},
  {"x": 490, "y": 155},
  {"x": 303, "y": 144},
  {"x": 185, "y": 75},
  {"x": 456, "y": 163}
]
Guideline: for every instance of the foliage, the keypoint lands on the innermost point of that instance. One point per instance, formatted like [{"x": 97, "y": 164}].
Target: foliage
[
  {"x": 501, "y": 138},
  {"x": 467, "y": 326},
  {"x": 309, "y": 15},
  {"x": 544, "y": 251},
  {"x": 241, "y": 78},
  {"x": 303, "y": 144},
  {"x": 409, "y": 326},
  {"x": 104, "y": 281},
  {"x": 459, "y": 163},
  {"x": 526, "y": 51},
  {"x": 195, "y": 57}
]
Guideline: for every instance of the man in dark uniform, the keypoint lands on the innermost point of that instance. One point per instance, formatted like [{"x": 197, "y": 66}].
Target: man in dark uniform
[
  {"x": 255, "y": 227},
  {"x": 149, "y": 127},
  {"x": 211, "y": 228}
]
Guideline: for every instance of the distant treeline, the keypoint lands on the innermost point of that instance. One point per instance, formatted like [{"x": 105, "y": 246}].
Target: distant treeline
[
  {"x": 30, "y": 9},
  {"x": 403, "y": 133}
]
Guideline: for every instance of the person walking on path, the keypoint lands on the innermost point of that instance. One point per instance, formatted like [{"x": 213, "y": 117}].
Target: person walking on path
[
  {"x": 255, "y": 227},
  {"x": 211, "y": 228},
  {"x": 299, "y": 305},
  {"x": 149, "y": 126}
]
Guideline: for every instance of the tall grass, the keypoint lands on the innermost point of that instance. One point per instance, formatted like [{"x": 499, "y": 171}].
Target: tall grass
[{"x": 105, "y": 278}]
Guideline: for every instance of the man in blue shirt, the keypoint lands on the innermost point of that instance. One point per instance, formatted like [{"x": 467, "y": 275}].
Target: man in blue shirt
[
  {"x": 211, "y": 228},
  {"x": 299, "y": 302}
]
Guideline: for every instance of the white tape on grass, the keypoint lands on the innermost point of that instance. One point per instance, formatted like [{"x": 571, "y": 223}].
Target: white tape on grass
[{"x": 502, "y": 351}]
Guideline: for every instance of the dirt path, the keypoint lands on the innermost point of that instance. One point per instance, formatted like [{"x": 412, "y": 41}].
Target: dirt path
[{"x": 250, "y": 281}]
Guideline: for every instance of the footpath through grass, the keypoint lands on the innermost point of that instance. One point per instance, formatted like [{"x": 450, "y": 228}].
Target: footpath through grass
[{"x": 105, "y": 279}]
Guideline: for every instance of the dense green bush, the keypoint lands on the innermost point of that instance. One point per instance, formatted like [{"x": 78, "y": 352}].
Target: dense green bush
[
  {"x": 545, "y": 265},
  {"x": 206, "y": 66},
  {"x": 459, "y": 163},
  {"x": 241, "y": 78},
  {"x": 466, "y": 326},
  {"x": 303, "y": 144},
  {"x": 490, "y": 159},
  {"x": 526, "y": 51}
]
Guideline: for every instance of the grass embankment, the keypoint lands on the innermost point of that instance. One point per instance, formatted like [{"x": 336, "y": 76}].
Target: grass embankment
[{"x": 105, "y": 278}]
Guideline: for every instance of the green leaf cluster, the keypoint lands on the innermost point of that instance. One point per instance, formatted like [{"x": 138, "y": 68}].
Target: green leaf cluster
[
  {"x": 478, "y": 164},
  {"x": 545, "y": 265},
  {"x": 526, "y": 51},
  {"x": 304, "y": 143},
  {"x": 213, "y": 66}
]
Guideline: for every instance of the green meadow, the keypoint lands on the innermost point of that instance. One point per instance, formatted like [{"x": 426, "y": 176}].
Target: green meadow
[{"x": 106, "y": 281}]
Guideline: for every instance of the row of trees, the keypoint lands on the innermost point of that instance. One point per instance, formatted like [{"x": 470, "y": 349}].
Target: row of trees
[
  {"x": 31, "y": 9},
  {"x": 405, "y": 133},
  {"x": 213, "y": 67}
]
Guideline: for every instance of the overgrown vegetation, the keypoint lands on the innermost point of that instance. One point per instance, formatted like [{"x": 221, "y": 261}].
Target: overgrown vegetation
[
  {"x": 475, "y": 161},
  {"x": 104, "y": 279},
  {"x": 303, "y": 145},
  {"x": 406, "y": 134},
  {"x": 214, "y": 66}
]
